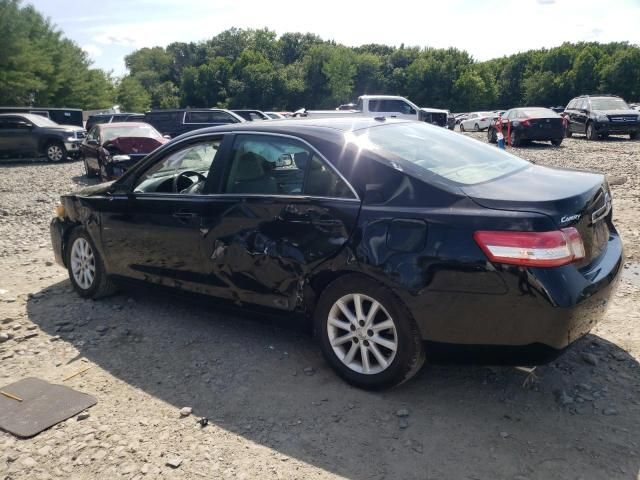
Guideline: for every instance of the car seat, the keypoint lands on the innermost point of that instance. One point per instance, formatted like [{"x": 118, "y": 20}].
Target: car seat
[{"x": 250, "y": 176}]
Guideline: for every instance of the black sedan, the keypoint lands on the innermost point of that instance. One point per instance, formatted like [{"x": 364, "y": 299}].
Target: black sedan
[
  {"x": 386, "y": 233},
  {"x": 521, "y": 125}
]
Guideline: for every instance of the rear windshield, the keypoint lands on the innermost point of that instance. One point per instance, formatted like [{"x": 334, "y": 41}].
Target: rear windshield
[
  {"x": 539, "y": 112},
  {"x": 449, "y": 155},
  {"x": 146, "y": 131},
  {"x": 608, "y": 104}
]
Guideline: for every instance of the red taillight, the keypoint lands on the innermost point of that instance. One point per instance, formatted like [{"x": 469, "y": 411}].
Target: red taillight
[{"x": 532, "y": 249}]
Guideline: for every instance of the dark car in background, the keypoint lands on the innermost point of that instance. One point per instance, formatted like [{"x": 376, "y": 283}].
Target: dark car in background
[
  {"x": 112, "y": 148},
  {"x": 113, "y": 117},
  {"x": 176, "y": 122},
  {"x": 385, "y": 233},
  {"x": 62, "y": 116},
  {"x": 525, "y": 124},
  {"x": 598, "y": 116},
  {"x": 29, "y": 134},
  {"x": 251, "y": 115}
]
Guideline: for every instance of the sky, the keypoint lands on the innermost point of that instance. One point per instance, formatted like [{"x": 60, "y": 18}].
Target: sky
[{"x": 110, "y": 29}]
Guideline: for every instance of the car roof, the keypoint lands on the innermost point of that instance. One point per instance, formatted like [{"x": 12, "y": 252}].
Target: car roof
[
  {"x": 302, "y": 127},
  {"x": 122, "y": 124}
]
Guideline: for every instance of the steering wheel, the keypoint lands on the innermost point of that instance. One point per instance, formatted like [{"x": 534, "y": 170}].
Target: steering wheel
[{"x": 187, "y": 174}]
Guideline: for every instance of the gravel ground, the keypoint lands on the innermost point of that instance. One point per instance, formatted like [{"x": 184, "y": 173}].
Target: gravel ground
[{"x": 275, "y": 409}]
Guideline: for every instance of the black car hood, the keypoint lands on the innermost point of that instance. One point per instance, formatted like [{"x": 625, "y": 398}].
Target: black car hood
[
  {"x": 556, "y": 192},
  {"x": 99, "y": 189},
  {"x": 64, "y": 128}
]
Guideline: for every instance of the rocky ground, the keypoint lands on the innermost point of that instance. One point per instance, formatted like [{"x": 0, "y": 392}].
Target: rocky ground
[{"x": 274, "y": 408}]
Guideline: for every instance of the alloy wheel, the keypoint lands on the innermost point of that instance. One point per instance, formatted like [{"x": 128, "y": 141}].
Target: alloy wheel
[
  {"x": 83, "y": 263},
  {"x": 362, "y": 334},
  {"x": 55, "y": 153}
]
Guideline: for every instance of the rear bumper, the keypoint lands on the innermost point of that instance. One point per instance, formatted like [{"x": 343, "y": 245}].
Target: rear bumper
[
  {"x": 57, "y": 229},
  {"x": 542, "y": 133},
  {"x": 542, "y": 311}
]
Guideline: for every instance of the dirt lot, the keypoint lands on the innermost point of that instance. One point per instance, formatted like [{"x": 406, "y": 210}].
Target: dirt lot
[{"x": 275, "y": 409}]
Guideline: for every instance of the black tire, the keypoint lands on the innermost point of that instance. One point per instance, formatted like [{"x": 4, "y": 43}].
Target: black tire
[
  {"x": 462, "y": 127},
  {"x": 556, "y": 142},
  {"x": 515, "y": 139},
  {"x": 55, "y": 151},
  {"x": 591, "y": 132},
  {"x": 101, "y": 286},
  {"x": 409, "y": 356},
  {"x": 492, "y": 137},
  {"x": 568, "y": 133},
  {"x": 634, "y": 136},
  {"x": 89, "y": 172},
  {"x": 476, "y": 127}
]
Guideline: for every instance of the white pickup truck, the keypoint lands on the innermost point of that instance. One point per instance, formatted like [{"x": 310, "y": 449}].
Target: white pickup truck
[{"x": 382, "y": 106}]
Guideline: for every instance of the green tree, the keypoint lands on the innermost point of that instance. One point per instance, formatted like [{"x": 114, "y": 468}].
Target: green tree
[
  {"x": 132, "y": 96},
  {"x": 340, "y": 69}
]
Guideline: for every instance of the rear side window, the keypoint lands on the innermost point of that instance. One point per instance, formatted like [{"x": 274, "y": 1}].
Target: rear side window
[
  {"x": 162, "y": 118},
  {"x": 436, "y": 151},
  {"x": 209, "y": 117},
  {"x": 274, "y": 165}
]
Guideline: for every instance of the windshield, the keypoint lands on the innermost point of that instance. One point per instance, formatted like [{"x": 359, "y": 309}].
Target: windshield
[
  {"x": 609, "y": 103},
  {"x": 440, "y": 152},
  {"x": 145, "y": 131},
  {"x": 41, "y": 121}
]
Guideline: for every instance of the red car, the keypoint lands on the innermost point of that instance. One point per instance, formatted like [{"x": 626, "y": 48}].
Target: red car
[{"x": 111, "y": 148}]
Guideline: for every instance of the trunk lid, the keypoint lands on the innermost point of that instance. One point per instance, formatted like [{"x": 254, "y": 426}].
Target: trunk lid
[{"x": 570, "y": 198}]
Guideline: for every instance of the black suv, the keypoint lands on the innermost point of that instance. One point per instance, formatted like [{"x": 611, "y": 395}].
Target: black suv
[
  {"x": 597, "y": 116},
  {"x": 177, "y": 122},
  {"x": 113, "y": 117},
  {"x": 30, "y": 134}
]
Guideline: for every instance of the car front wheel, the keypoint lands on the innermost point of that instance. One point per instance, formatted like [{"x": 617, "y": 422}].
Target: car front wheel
[
  {"x": 591, "y": 132},
  {"x": 86, "y": 269},
  {"x": 56, "y": 152},
  {"x": 461, "y": 127},
  {"x": 366, "y": 334},
  {"x": 556, "y": 142}
]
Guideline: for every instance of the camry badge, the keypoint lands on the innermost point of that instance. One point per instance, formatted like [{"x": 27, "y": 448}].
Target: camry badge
[{"x": 569, "y": 218}]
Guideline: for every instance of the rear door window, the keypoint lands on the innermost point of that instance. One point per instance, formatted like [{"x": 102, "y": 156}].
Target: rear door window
[
  {"x": 209, "y": 117},
  {"x": 274, "y": 165}
]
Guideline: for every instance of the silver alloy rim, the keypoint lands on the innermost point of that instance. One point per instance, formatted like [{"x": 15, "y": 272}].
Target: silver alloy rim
[
  {"x": 54, "y": 152},
  {"x": 83, "y": 263},
  {"x": 362, "y": 334}
]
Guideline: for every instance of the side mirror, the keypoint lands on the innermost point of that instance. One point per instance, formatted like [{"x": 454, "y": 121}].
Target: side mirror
[
  {"x": 284, "y": 160},
  {"x": 92, "y": 141}
]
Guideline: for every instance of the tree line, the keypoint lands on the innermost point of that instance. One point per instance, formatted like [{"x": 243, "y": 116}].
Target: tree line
[{"x": 257, "y": 68}]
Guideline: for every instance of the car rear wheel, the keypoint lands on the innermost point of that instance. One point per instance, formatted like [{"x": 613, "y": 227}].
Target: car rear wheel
[
  {"x": 366, "y": 334},
  {"x": 56, "y": 152},
  {"x": 634, "y": 136},
  {"x": 461, "y": 127},
  {"x": 476, "y": 127},
  {"x": 556, "y": 142},
  {"x": 591, "y": 132},
  {"x": 568, "y": 133},
  {"x": 514, "y": 139},
  {"x": 492, "y": 137},
  {"x": 86, "y": 269}
]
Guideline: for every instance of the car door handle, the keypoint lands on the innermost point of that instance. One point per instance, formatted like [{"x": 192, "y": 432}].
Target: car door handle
[{"x": 184, "y": 216}]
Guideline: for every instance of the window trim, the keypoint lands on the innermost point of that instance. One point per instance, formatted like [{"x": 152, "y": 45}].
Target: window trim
[{"x": 280, "y": 195}]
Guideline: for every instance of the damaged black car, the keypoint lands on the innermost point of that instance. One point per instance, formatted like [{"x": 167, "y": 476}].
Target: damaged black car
[{"x": 392, "y": 236}]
